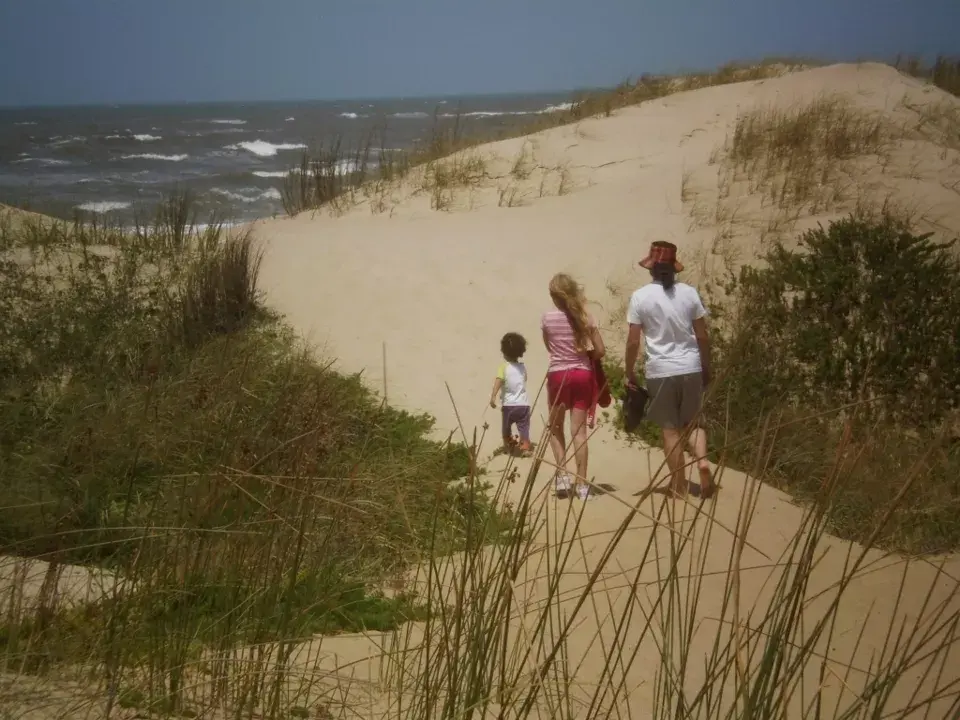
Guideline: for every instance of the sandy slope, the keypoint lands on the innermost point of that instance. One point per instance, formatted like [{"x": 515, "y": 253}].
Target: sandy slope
[{"x": 440, "y": 288}]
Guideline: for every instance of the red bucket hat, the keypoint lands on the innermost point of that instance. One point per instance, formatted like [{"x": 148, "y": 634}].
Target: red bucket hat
[{"x": 662, "y": 252}]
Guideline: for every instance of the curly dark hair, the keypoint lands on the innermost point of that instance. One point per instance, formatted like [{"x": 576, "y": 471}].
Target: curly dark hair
[{"x": 513, "y": 346}]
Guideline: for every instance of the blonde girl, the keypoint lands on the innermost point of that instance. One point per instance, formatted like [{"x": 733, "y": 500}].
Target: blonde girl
[{"x": 573, "y": 342}]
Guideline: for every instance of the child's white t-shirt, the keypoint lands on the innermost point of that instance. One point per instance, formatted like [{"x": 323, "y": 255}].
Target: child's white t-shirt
[{"x": 514, "y": 378}]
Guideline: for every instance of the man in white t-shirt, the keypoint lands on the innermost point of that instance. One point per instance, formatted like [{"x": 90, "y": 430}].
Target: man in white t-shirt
[{"x": 670, "y": 320}]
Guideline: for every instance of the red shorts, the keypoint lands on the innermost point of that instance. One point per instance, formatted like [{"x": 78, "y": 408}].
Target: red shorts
[{"x": 574, "y": 389}]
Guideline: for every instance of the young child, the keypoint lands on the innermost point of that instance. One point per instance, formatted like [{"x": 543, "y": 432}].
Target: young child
[{"x": 511, "y": 385}]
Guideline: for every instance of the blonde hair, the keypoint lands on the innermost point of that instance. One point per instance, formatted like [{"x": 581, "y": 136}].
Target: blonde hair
[{"x": 568, "y": 297}]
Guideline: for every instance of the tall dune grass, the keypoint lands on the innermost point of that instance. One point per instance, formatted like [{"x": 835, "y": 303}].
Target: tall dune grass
[
  {"x": 510, "y": 652},
  {"x": 799, "y": 158},
  {"x": 656, "y": 620}
]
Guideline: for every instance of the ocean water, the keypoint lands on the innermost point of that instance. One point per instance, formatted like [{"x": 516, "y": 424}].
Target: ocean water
[{"x": 118, "y": 160}]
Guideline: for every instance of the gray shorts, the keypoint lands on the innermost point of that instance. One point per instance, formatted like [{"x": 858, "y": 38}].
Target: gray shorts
[{"x": 675, "y": 401}]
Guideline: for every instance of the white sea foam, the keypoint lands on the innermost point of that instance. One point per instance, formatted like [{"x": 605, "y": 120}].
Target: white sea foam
[
  {"x": 349, "y": 166},
  {"x": 343, "y": 167},
  {"x": 410, "y": 115},
  {"x": 26, "y": 122},
  {"x": 42, "y": 161},
  {"x": 65, "y": 141},
  {"x": 154, "y": 156},
  {"x": 349, "y": 115},
  {"x": 249, "y": 196},
  {"x": 147, "y": 138},
  {"x": 262, "y": 148},
  {"x": 222, "y": 130},
  {"x": 290, "y": 119},
  {"x": 498, "y": 113},
  {"x": 229, "y": 122},
  {"x": 203, "y": 227},
  {"x": 103, "y": 207},
  {"x": 113, "y": 137},
  {"x": 490, "y": 113}
]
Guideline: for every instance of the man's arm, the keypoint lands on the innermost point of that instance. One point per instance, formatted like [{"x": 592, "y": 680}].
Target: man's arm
[
  {"x": 634, "y": 338},
  {"x": 703, "y": 343}
]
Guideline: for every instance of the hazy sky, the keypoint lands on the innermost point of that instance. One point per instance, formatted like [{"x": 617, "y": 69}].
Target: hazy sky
[{"x": 129, "y": 51}]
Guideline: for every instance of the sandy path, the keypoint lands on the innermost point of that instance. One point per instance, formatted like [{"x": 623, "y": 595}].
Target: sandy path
[{"x": 439, "y": 289}]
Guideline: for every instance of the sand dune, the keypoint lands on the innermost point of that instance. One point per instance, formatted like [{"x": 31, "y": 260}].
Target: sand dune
[{"x": 439, "y": 288}]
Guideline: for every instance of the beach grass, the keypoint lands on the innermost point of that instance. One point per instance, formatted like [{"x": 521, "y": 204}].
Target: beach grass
[
  {"x": 330, "y": 173},
  {"x": 801, "y": 157}
]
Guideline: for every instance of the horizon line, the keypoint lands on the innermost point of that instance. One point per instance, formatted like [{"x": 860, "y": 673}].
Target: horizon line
[{"x": 161, "y": 103}]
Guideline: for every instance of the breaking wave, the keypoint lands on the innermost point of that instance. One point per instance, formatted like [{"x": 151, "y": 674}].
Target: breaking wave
[
  {"x": 155, "y": 156},
  {"x": 103, "y": 207},
  {"x": 262, "y": 148}
]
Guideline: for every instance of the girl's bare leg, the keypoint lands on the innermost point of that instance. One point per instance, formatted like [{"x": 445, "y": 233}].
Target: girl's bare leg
[
  {"x": 578, "y": 435},
  {"x": 558, "y": 443}
]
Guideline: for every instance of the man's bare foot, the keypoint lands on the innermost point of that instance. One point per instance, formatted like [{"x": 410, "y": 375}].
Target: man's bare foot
[{"x": 707, "y": 488}]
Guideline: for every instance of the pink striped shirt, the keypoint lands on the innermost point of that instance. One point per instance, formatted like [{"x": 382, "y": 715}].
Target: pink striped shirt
[{"x": 561, "y": 343}]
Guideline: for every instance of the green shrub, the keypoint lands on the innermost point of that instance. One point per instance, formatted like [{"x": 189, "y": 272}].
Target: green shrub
[
  {"x": 862, "y": 311},
  {"x": 154, "y": 420},
  {"x": 847, "y": 339}
]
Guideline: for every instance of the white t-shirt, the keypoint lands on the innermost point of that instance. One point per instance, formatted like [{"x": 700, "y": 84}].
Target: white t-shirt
[
  {"x": 667, "y": 320},
  {"x": 514, "y": 390}
]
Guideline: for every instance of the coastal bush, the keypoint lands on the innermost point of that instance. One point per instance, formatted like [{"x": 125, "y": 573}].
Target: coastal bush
[
  {"x": 157, "y": 422},
  {"x": 854, "y": 331},
  {"x": 850, "y": 335},
  {"x": 862, "y": 310}
]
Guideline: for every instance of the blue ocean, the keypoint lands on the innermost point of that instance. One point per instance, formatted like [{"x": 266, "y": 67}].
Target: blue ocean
[{"x": 119, "y": 160}]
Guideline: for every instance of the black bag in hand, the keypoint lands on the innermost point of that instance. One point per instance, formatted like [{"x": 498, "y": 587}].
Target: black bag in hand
[{"x": 634, "y": 407}]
